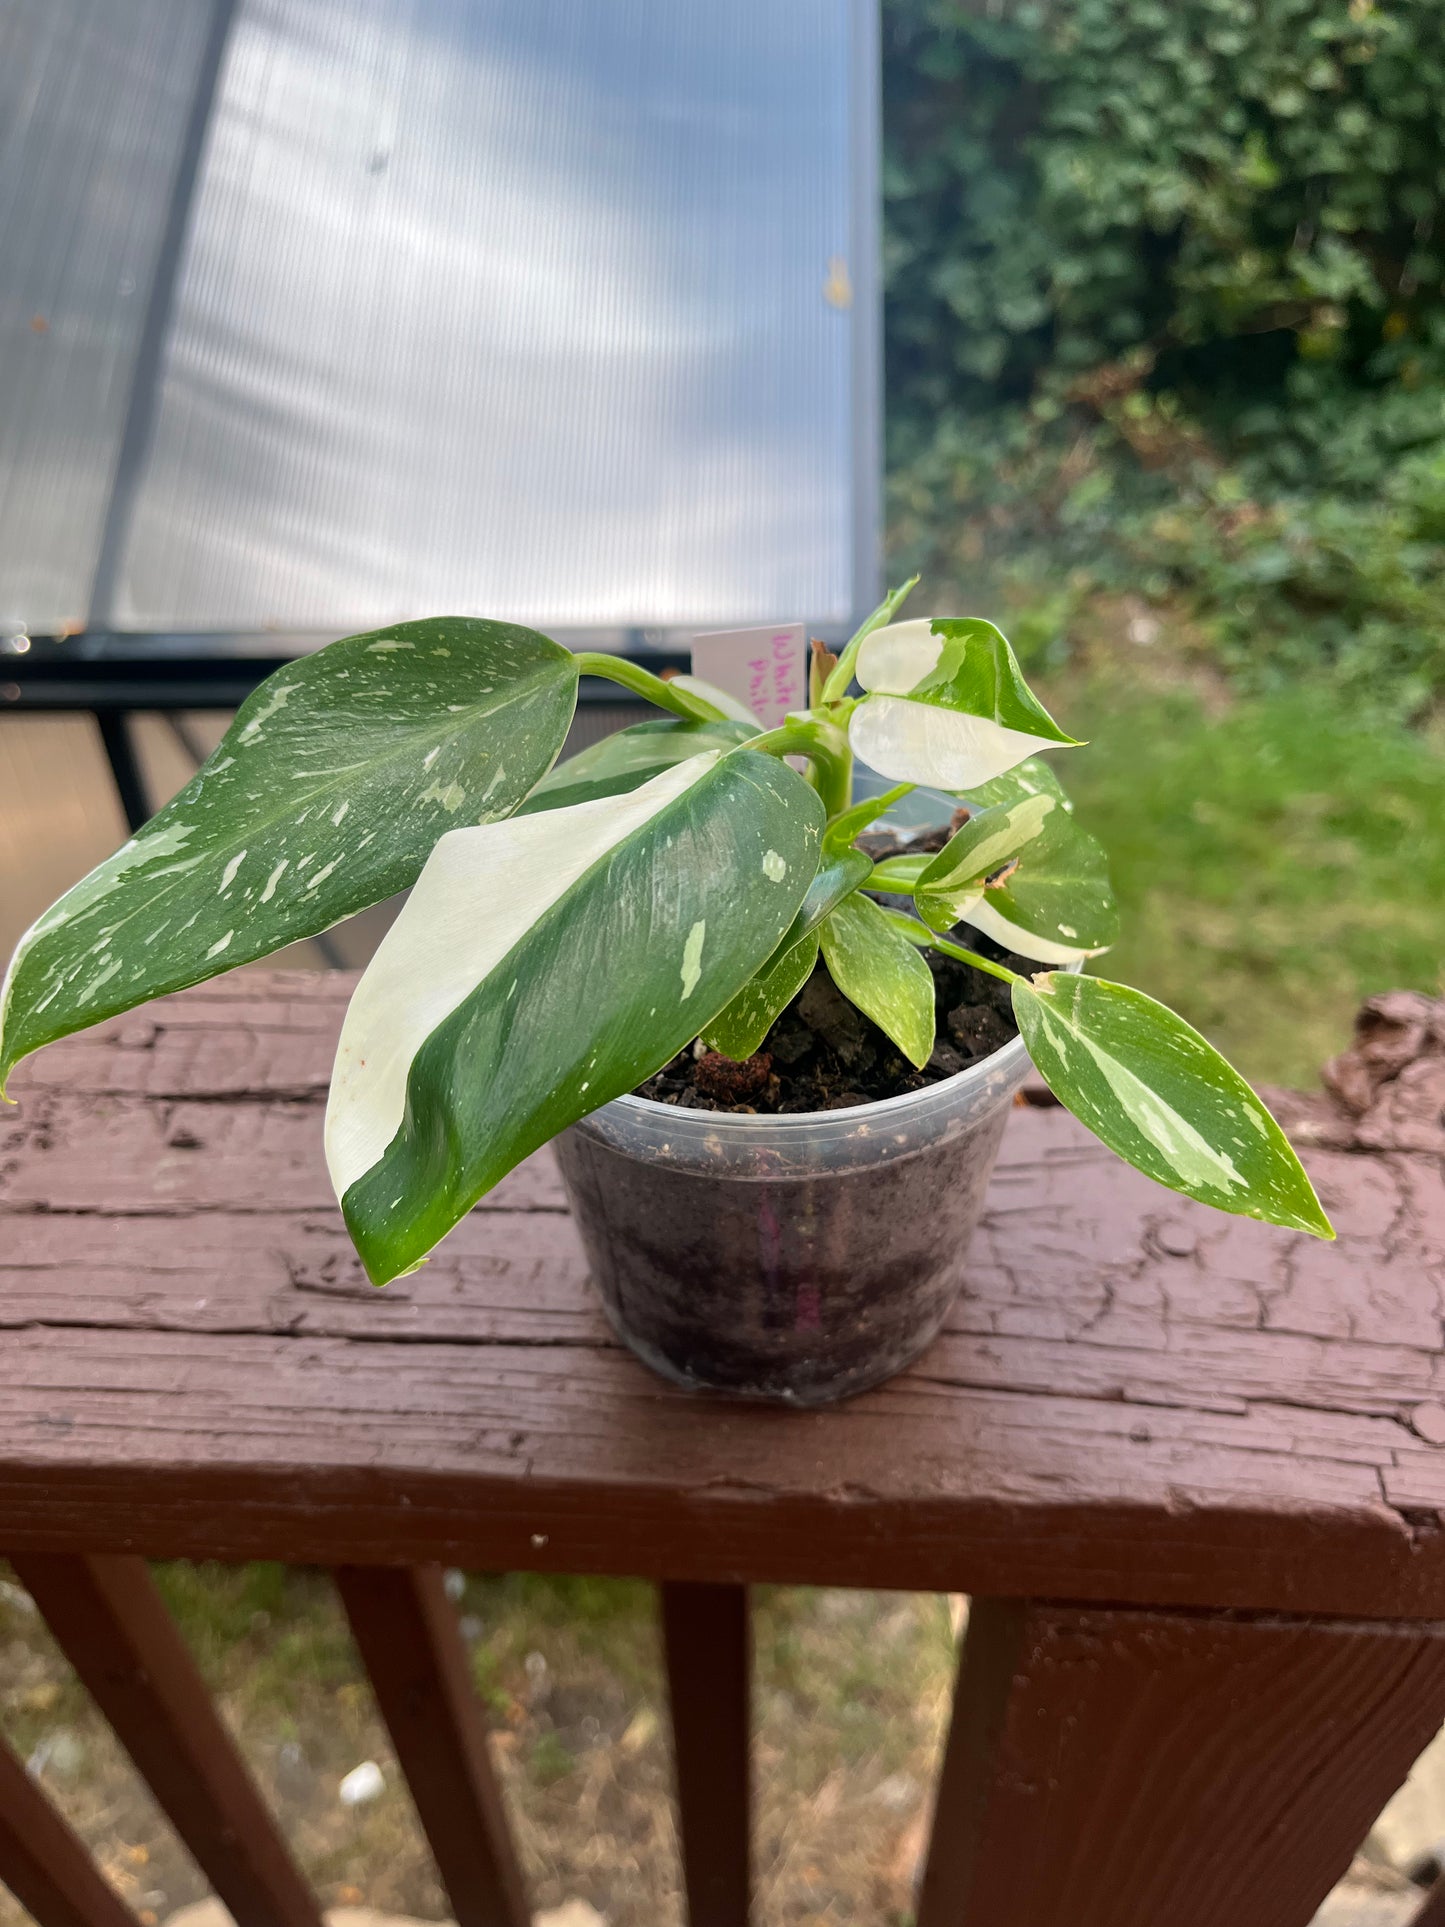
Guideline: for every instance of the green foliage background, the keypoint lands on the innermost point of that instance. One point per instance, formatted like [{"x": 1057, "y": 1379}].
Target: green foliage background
[{"x": 1165, "y": 315}]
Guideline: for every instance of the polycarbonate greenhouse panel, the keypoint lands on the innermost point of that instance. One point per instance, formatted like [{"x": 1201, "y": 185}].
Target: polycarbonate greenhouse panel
[
  {"x": 562, "y": 310},
  {"x": 95, "y": 101}
]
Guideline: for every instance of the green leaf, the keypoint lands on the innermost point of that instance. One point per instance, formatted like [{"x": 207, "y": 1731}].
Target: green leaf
[
  {"x": 544, "y": 966},
  {"x": 882, "y": 973},
  {"x": 853, "y": 822},
  {"x": 948, "y": 886},
  {"x": 1163, "y": 1098},
  {"x": 1032, "y": 777},
  {"x": 841, "y": 675},
  {"x": 740, "y": 1029},
  {"x": 947, "y": 705},
  {"x": 325, "y": 795},
  {"x": 629, "y": 758},
  {"x": 838, "y": 876},
  {"x": 1058, "y": 905},
  {"x": 977, "y": 674}
]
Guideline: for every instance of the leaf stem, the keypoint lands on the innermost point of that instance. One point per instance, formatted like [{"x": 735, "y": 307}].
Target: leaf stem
[
  {"x": 972, "y": 957},
  {"x": 836, "y": 686},
  {"x": 651, "y": 688},
  {"x": 826, "y": 748}
]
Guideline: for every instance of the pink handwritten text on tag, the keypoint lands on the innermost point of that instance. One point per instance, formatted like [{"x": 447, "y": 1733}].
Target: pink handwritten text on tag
[{"x": 764, "y": 668}]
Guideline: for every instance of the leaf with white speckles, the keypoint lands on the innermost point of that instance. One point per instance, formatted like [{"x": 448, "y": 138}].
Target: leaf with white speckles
[
  {"x": 326, "y": 794},
  {"x": 882, "y": 973},
  {"x": 1163, "y": 1098},
  {"x": 738, "y": 1030},
  {"x": 544, "y": 966}
]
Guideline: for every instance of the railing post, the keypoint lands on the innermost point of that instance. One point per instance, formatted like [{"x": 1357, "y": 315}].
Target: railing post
[
  {"x": 44, "y": 1864},
  {"x": 407, "y": 1634},
  {"x": 708, "y": 1652},
  {"x": 1117, "y": 1768},
  {"x": 112, "y": 1625}
]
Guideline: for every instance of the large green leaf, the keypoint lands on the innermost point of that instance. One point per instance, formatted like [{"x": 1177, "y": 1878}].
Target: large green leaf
[
  {"x": 544, "y": 966},
  {"x": 1157, "y": 1093},
  {"x": 947, "y": 704},
  {"x": 739, "y": 1029},
  {"x": 882, "y": 973},
  {"x": 325, "y": 795},
  {"x": 628, "y": 758},
  {"x": 954, "y": 880}
]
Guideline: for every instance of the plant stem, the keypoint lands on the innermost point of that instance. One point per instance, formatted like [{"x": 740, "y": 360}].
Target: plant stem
[
  {"x": 836, "y": 686},
  {"x": 972, "y": 957},
  {"x": 651, "y": 688},
  {"x": 826, "y": 748}
]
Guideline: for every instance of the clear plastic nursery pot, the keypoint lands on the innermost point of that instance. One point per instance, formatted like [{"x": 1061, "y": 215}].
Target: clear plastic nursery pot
[{"x": 801, "y": 1257}]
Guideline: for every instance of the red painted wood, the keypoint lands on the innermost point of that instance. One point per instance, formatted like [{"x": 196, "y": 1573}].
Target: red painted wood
[
  {"x": 110, "y": 1622},
  {"x": 1123, "y": 1768},
  {"x": 44, "y": 1864},
  {"x": 1136, "y": 1400},
  {"x": 406, "y": 1630},
  {"x": 707, "y": 1645}
]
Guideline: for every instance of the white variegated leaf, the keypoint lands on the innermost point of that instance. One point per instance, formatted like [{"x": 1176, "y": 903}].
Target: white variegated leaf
[
  {"x": 949, "y": 885},
  {"x": 1025, "y": 943},
  {"x": 918, "y": 743},
  {"x": 1162, "y": 1097},
  {"x": 947, "y": 704},
  {"x": 544, "y": 966}
]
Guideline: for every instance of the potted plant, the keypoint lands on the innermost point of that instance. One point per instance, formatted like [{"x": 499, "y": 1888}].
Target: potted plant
[{"x": 663, "y": 901}]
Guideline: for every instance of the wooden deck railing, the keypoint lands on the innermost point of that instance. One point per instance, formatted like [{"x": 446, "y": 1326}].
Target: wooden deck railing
[{"x": 1190, "y": 1470}]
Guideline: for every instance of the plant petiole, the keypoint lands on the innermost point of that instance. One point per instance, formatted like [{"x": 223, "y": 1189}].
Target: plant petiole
[
  {"x": 826, "y": 748},
  {"x": 986, "y": 964},
  {"x": 652, "y": 689}
]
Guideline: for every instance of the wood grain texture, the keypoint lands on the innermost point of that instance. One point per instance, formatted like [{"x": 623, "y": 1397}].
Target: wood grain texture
[
  {"x": 406, "y": 1630},
  {"x": 1136, "y": 1400},
  {"x": 1122, "y": 1768},
  {"x": 708, "y": 1650},
  {"x": 111, "y": 1624},
  {"x": 44, "y": 1864}
]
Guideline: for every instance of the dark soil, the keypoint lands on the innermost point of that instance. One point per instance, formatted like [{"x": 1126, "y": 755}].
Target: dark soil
[{"x": 823, "y": 1054}]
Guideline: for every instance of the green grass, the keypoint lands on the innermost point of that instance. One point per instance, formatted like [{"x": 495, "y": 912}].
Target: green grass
[{"x": 1276, "y": 860}]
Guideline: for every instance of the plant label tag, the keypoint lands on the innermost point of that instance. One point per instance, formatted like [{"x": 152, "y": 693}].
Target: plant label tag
[{"x": 764, "y": 668}]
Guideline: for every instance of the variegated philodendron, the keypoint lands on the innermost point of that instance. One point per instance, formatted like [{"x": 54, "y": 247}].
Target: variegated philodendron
[{"x": 570, "y": 929}]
